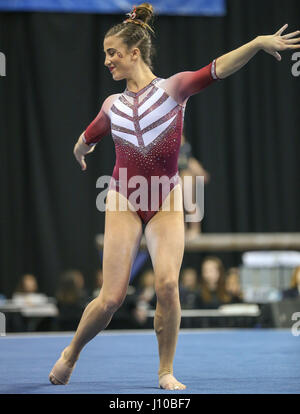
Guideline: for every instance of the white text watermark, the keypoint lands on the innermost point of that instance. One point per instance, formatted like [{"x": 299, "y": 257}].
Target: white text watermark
[
  {"x": 2, "y": 64},
  {"x": 296, "y": 65},
  {"x": 2, "y": 324},
  {"x": 140, "y": 194},
  {"x": 296, "y": 325}
]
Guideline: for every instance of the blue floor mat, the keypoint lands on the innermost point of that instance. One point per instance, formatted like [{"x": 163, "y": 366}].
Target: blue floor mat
[{"x": 208, "y": 362}]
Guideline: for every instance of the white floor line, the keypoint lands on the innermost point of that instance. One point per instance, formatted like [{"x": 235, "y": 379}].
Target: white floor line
[{"x": 134, "y": 332}]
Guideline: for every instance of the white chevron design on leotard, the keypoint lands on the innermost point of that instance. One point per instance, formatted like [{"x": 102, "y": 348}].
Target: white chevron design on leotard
[
  {"x": 158, "y": 112},
  {"x": 143, "y": 117},
  {"x": 150, "y": 101},
  {"x": 151, "y": 135}
]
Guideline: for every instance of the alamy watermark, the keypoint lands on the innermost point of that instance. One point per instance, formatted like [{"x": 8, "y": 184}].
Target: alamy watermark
[
  {"x": 296, "y": 325},
  {"x": 138, "y": 193},
  {"x": 296, "y": 66},
  {"x": 2, "y": 324},
  {"x": 2, "y": 64}
]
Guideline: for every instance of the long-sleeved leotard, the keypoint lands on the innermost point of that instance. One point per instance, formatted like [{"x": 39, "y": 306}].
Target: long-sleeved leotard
[{"x": 146, "y": 128}]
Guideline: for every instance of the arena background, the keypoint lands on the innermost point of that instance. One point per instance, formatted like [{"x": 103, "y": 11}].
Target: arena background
[{"x": 245, "y": 131}]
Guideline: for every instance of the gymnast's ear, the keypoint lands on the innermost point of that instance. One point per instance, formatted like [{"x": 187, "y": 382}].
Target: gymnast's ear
[{"x": 135, "y": 53}]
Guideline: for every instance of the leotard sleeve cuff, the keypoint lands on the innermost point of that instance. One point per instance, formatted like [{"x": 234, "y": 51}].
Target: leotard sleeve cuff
[
  {"x": 213, "y": 70},
  {"x": 91, "y": 144}
]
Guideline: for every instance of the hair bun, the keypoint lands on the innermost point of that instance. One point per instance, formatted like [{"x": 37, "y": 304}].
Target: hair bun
[{"x": 144, "y": 12}]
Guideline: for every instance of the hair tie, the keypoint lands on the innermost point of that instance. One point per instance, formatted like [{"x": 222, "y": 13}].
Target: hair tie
[
  {"x": 136, "y": 21},
  {"x": 132, "y": 19},
  {"x": 132, "y": 14}
]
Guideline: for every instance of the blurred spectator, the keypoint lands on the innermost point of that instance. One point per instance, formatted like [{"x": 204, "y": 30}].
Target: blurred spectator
[
  {"x": 294, "y": 290},
  {"x": 27, "y": 292},
  {"x": 138, "y": 302},
  {"x": 27, "y": 284},
  {"x": 212, "y": 283},
  {"x": 232, "y": 285},
  {"x": 98, "y": 283},
  {"x": 140, "y": 315},
  {"x": 80, "y": 282},
  {"x": 189, "y": 166},
  {"x": 133, "y": 314},
  {"x": 71, "y": 300},
  {"x": 146, "y": 291},
  {"x": 189, "y": 289}
]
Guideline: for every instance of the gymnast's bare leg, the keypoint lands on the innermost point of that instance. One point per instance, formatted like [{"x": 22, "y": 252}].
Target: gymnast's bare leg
[
  {"x": 165, "y": 240},
  {"x": 123, "y": 232}
]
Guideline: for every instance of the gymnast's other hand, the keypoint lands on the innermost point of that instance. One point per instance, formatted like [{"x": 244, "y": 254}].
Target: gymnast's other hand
[
  {"x": 276, "y": 42},
  {"x": 81, "y": 150}
]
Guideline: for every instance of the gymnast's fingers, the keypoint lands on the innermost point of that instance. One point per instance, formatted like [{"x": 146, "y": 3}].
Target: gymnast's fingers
[
  {"x": 82, "y": 163},
  {"x": 289, "y": 35},
  {"x": 281, "y": 30},
  {"x": 296, "y": 40}
]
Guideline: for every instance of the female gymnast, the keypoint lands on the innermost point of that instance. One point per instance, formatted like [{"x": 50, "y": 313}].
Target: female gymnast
[{"x": 145, "y": 122}]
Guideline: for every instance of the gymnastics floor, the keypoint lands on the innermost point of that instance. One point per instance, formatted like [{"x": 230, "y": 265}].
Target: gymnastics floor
[{"x": 243, "y": 361}]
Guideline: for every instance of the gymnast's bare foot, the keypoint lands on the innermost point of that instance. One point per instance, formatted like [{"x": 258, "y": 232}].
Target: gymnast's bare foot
[
  {"x": 169, "y": 382},
  {"x": 62, "y": 370}
]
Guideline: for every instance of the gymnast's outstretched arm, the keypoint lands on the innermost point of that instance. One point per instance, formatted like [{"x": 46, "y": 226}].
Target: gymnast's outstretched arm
[{"x": 231, "y": 62}]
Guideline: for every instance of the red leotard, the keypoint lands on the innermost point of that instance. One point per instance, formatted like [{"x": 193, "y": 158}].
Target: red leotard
[{"x": 146, "y": 128}]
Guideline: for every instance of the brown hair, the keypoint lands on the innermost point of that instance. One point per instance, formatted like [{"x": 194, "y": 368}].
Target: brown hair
[
  {"x": 294, "y": 282},
  {"x": 221, "y": 291},
  {"x": 135, "y": 31},
  {"x": 69, "y": 290}
]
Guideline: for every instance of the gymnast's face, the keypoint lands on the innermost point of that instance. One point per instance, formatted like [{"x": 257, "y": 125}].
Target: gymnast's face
[{"x": 118, "y": 58}]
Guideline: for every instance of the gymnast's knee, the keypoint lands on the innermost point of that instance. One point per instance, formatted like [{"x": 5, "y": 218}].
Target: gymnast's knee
[
  {"x": 167, "y": 292},
  {"x": 110, "y": 304}
]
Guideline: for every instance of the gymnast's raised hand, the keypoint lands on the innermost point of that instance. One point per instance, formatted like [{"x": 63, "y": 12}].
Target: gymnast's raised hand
[
  {"x": 233, "y": 61},
  {"x": 276, "y": 42}
]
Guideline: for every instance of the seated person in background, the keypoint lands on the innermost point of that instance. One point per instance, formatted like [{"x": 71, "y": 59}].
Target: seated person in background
[
  {"x": 294, "y": 291},
  {"x": 71, "y": 300},
  {"x": 139, "y": 315},
  {"x": 79, "y": 280},
  {"x": 188, "y": 166},
  {"x": 133, "y": 314},
  {"x": 27, "y": 292},
  {"x": 212, "y": 284},
  {"x": 98, "y": 283},
  {"x": 138, "y": 301},
  {"x": 27, "y": 284},
  {"x": 146, "y": 291},
  {"x": 189, "y": 289},
  {"x": 232, "y": 285}
]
